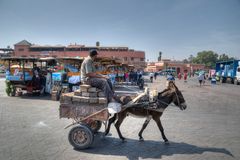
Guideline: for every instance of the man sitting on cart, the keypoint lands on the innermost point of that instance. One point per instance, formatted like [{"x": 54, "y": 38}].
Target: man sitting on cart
[{"x": 89, "y": 76}]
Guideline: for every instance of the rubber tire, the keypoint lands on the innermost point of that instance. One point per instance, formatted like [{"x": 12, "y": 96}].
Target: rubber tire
[
  {"x": 13, "y": 92},
  {"x": 221, "y": 80},
  {"x": 95, "y": 126},
  {"x": 88, "y": 137},
  {"x": 236, "y": 82}
]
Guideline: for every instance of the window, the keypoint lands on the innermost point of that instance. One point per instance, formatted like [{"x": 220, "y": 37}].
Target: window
[
  {"x": 142, "y": 59},
  {"x": 132, "y": 58},
  {"x": 21, "y": 49},
  {"x": 125, "y": 58}
]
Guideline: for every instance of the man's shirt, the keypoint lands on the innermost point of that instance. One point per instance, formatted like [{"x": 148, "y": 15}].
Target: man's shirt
[
  {"x": 151, "y": 74},
  {"x": 87, "y": 67}
]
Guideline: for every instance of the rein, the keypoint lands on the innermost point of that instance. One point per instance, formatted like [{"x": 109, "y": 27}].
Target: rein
[
  {"x": 147, "y": 103},
  {"x": 169, "y": 104}
]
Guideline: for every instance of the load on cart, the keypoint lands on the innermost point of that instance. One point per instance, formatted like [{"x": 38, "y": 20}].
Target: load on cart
[{"x": 89, "y": 109}]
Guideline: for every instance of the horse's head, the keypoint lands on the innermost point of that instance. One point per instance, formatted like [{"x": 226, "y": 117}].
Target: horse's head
[
  {"x": 169, "y": 95},
  {"x": 178, "y": 98}
]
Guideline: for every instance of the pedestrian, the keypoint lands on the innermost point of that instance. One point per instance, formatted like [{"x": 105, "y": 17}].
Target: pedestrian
[
  {"x": 201, "y": 79},
  {"x": 135, "y": 77},
  {"x": 185, "y": 76},
  {"x": 179, "y": 75},
  {"x": 155, "y": 75},
  {"x": 213, "y": 80},
  {"x": 171, "y": 78},
  {"x": 151, "y": 77},
  {"x": 126, "y": 75}
]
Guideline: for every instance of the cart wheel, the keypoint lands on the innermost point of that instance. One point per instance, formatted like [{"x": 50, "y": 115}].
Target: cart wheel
[
  {"x": 81, "y": 137},
  {"x": 13, "y": 92},
  {"x": 95, "y": 126},
  {"x": 236, "y": 81}
]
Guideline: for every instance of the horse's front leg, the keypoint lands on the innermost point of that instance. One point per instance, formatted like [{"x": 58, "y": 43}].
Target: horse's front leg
[
  {"x": 158, "y": 121},
  {"x": 143, "y": 127},
  {"x": 110, "y": 121},
  {"x": 121, "y": 117}
]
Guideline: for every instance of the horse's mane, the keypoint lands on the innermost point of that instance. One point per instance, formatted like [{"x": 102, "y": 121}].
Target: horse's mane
[
  {"x": 172, "y": 85},
  {"x": 165, "y": 90}
]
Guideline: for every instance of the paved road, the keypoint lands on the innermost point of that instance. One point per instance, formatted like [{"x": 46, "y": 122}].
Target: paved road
[{"x": 209, "y": 129}]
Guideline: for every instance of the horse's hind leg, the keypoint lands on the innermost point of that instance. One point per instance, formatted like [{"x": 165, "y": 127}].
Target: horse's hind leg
[
  {"x": 158, "y": 121},
  {"x": 110, "y": 121},
  {"x": 121, "y": 117},
  {"x": 143, "y": 127}
]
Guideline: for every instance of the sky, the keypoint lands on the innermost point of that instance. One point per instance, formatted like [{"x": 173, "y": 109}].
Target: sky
[{"x": 177, "y": 28}]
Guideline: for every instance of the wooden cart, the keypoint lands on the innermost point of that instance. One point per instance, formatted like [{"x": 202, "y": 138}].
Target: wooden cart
[
  {"x": 88, "y": 114},
  {"x": 19, "y": 74},
  {"x": 87, "y": 120}
]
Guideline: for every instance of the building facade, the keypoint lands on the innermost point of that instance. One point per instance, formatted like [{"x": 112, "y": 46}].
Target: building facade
[
  {"x": 6, "y": 52},
  {"x": 178, "y": 66},
  {"x": 128, "y": 56}
]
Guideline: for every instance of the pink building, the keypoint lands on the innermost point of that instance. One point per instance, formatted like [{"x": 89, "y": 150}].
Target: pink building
[
  {"x": 128, "y": 56},
  {"x": 179, "y": 66}
]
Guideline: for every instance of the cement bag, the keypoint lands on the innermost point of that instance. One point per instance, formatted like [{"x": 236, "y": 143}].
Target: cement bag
[{"x": 114, "y": 107}]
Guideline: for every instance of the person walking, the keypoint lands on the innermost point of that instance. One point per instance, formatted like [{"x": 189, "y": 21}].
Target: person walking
[
  {"x": 155, "y": 75},
  {"x": 151, "y": 77},
  {"x": 126, "y": 75},
  {"x": 179, "y": 75},
  {"x": 201, "y": 79},
  {"x": 185, "y": 76}
]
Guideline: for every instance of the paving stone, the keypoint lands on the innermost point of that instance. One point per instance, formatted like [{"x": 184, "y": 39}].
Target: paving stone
[
  {"x": 84, "y": 87},
  {"x": 101, "y": 94},
  {"x": 86, "y": 94},
  {"x": 102, "y": 100},
  {"x": 66, "y": 97},
  {"x": 92, "y": 89},
  {"x": 93, "y": 100},
  {"x": 78, "y": 92},
  {"x": 93, "y": 94}
]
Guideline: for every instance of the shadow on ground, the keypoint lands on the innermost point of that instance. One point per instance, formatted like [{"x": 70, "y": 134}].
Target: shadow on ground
[
  {"x": 35, "y": 96},
  {"x": 133, "y": 149}
]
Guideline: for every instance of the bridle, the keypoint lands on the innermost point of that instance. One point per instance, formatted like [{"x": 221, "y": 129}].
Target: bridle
[{"x": 171, "y": 102}]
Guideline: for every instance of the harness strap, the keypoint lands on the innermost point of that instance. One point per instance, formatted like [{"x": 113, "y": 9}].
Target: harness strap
[{"x": 177, "y": 97}]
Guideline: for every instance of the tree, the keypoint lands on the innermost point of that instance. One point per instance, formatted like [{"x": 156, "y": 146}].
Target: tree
[
  {"x": 190, "y": 59},
  {"x": 208, "y": 58},
  {"x": 185, "y": 61},
  {"x": 224, "y": 57}
]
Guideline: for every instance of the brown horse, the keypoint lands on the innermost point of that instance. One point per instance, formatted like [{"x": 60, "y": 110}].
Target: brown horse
[{"x": 150, "y": 110}]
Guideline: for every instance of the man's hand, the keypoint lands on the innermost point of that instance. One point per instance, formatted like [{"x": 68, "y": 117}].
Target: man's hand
[{"x": 94, "y": 75}]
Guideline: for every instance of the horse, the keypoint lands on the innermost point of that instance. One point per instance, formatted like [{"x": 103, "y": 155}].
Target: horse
[{"x": 152, "y": 110}]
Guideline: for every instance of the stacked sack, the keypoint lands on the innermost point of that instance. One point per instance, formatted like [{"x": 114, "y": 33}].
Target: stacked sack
[{"x": 82, "y": 102}]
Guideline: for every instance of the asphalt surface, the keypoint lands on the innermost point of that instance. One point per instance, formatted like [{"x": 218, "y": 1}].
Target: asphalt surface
[{"x": 30, "y": 128}]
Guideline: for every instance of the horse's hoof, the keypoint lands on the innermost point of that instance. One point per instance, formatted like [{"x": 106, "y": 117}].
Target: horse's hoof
[
  {"x": 141, "y": 139},
  {"x": 103, "y": 136},
  {"x": 123, "y": 140},
  {"x": 166, "y": 142},
  {"x": 107, "y": 134}
]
